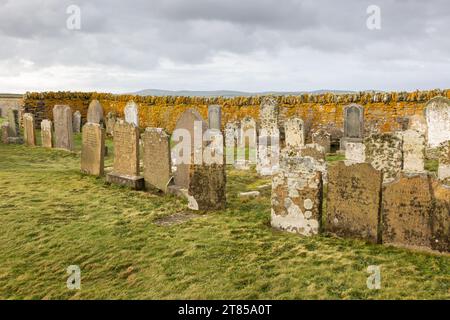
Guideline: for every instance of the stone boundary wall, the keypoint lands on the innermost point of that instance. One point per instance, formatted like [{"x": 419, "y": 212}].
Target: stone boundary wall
[
  {"x": 384, "y": 112},
  {"x": 8, "y": 101}
]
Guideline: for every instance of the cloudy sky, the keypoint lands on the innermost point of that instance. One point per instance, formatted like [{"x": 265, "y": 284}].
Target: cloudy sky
[{"x": 248, "y": 45}]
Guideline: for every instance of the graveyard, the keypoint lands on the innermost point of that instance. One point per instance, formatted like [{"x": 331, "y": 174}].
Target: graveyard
[{"x": 267, "y": 205}]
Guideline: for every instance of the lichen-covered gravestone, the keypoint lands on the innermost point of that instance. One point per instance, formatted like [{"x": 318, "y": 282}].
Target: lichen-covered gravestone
[
  {"x": 132, "y": 113},
  {"x": 76, "y": 122},
  {"x": 297, "y": 196},
  {"x": 62, "y": 120},
  {"x": 247, "y": 140},
  {"x": 437, "y": 112},
  {"x": 353, "y": 200},
  {"x": 215, "y": 117},
  {"x": 355, "y": 152},
  {"x": 157, "y": 161},
  {"x": 207, "y": 187},
  {"x": 353, "y": 124},
  {"x": 126, "y": 168},
  {"x": 13, "y": 128},
  {"x": 384, "y": 152},
  {"x": 322, "y": 138},
  {"x": 5, "y": 132},
  {"x": 28, "y": 129},
  {"x": 444, "y": 162},
  {"x": 95, "y": 113},
  {"x": 294, "y": 130},
  {"x": 231, "y": 138},
  {"x": 441, "y": 219},
  {"x": 413, "y": 151},
  {"x": 111, "y": 119},
  {"x": 92, "y": 152},
  {"x": 269, "y": 138},
  {"x": 46, "y": 134}
]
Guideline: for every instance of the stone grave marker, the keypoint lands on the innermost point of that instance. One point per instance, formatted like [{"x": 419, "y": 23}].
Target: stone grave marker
[
  {"x": 95, "y": 113},
  {"x": 215, "y": 117},
  {"x": 437, "y": 113},
  {"x": 132, "y": 113},
  {"x": 47, "y": 133},
  {"x": 76, "y": 122},
  {"x": 413, "y": 151},
  {"x": 444, "y": 162},
  {"x": 323, "y": 139},
  {"x": 294, "y": 133},
  {"x": 92, "y": 152},
  {"x": 62, "y": 121},
  {"x": 29, "y": 131}
]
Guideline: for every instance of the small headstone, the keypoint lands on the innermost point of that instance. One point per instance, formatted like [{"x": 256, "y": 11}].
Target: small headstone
[
  {"x": 132, "y": 113},
  {"x": 76, "y": 122},
  {"x": 111, "y": 119},
  {"x": 314, "y": 151},
  {"x": 5, "y": 132},
  {"x": 250, "y": 194},
  {"x": 46, "y": 134},
  {"x": 29, "y": 132},
  {"x": 353, "y": 124},
  {"x": 418, "y": 123},
  {"x": 92, "y": 152},
  {"x": 413, "y": 151},
  {"x": 207, "y": 187},
  {"x": 444, "y": 162},
  {"x": 355, "y": 152},
  {"x": 323, "y": 139},
  {"x": 157, "y": 161},
  {"x": 215, "y": 117},
  {"x": 231, "y": 138},
  {"x": 268, "y": 154},
  {"x": 95, "y": 113},
  {"x": 437, "y": 112},
  {"x": 247, "y": 140},
  {"x": 297, "y": 197},
  {"x": 62, "y": 121},
  {"x": 384, "y": 152},
  {"x": 353, "y": 200},
  {"x": 294, "y": 129}
]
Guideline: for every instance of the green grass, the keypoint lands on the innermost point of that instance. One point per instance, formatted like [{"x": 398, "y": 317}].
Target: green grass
[{"x": 51, "y": 216}]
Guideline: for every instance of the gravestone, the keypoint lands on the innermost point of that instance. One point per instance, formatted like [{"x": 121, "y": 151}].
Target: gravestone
[
  {"x": 62, "y": 121},
  {"x": 268, "y": 116},
  {"x": 440, "y": 225},
  {"x": 444, "y": 162},
  {"x": 132, "y": 113},
  {"x": 353, "y": 124},
  {"x": 92, "y": 152},
  {"x": 355, "y": 152},
  {"x": 95, "y": 113},
  {"x": 413, "y": 151},
  {"x": 418, "y": 123},
  {"x": 46, "y": 134},
  {"x": 5, "y": 132},
  {"x": 28, "y": 130},
  {"x": 294, "y": 130},
  {"x": 111, "y": 119},
  {"x": 384, "y": 152},
  {"x": 231, "y": 139},
  {"x": 437, "y": 113},
  {"x": 247, "y": 144},
  {"x": 297, "y": 197},
  {"x": 323, "y": 139},
  {"x": 353, "y": 201},
  {"x": 268, "y": 154},
  {"x": 408, "y": 211},
  {"x": 215, "y": 117},
  {"x": 14, "y": 127},
  {"x": 207, "y": 187},
  {"x": 126, "y": 168},
  {"x": 76, "y": 122},
  {"x": 314, "y": 151},
  {"x": 157, "y": 161}
]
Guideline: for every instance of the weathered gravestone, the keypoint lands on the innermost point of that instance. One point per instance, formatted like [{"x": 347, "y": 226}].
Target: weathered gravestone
[
  {"x": 441, "y": 220},
  {"x": 413, "y": 151},
  {"x": 28, "y": 130},
  {"x": 355, "y": 152},
  {"x": 47, "y": 134},
  {"x": 111, "y": 119},
  {"x": 231, "y": 139},
  {"x": 95, "y": 113},
  {"x": 294, "y": 130},
  {"x": 268, "y": 116},
  {"x": 157, "y": 161},
  {"x": 354, "y": 201},
  {"x": 353, "y": 124},
  {"x": 92, "y": 152},
  {"x": 384, "y": 152},
  {"x": 215, "y": 117},
  {"x": 5, "y": 132},
  {"x": 418, "y": 123},
  {"x": 62, "y": 121},
  {"x": 437, "y": 112},
  {"x": 132, "y": 113},
  {"x": 14, "y": 128},
  {"x": 297, "y": 197},
  {"x": 444, "y": 162},
  {"x": 323, "y": 139},
  {"x": 269, "y": 138},
  {"x": 247, "y": 144},
  {"x": 76, "y": 122}
]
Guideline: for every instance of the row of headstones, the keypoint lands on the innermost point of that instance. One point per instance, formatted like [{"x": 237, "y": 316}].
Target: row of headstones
[{"x": 412, "y": 211}]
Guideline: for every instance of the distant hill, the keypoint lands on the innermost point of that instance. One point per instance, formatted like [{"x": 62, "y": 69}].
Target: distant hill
[{"x": 227, "y": 93}]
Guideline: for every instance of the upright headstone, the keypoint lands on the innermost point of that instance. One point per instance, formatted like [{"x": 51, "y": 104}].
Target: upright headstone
[
  {"x": 444, "y": 162},
  {"x": 5, "y": 132},
  {"x": 132, "y": 113},
  {"x": 294, "y": 130},
  {"x": 268, "y": 116},
  {"x": 231, "y": 139},
  {"x": 215, "y": 117},
  {"x": 413, "y": 151},
  {"x": 14, "y": 128},
  {"x": 384, "y": 152},
  {"x": 323, "y": 139},
  {"x": 440, "y": 223},
  {"x": 418, "y": 123},
  {"x": 355, "y": 152},
  {"x": 353, "y": 124},
  {"x": 92, "y": 152},
  {"x": 95, "y": 113},
  {"x": 76, "y": 122},
  {"x": 111, "y": 119},
  {"x": 62, "y": 121},
  {"x": 247, "y": 144},
  {"x": 207, "y": 187},
  {"x": 437, "y": 112},
  {"x": 157, "y": 161},
  {"x": 269, "y": 138},
  {"x": 28, "y": 129},
  {"x": 47, "y": 134},
  {"x": 297, "y": 197},
  {"x": 353, "y": 200},
  {"x": 126, "y": 169}
]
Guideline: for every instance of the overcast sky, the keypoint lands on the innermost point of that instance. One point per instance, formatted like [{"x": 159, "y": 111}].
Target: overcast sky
[{"x": 248, "y": 45}]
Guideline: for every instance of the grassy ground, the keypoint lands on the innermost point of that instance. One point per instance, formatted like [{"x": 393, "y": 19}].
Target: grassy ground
[{"x": 51, "y": 216}]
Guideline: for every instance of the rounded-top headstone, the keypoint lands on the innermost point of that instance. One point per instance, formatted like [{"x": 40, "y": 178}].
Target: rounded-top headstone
[
  {"x": 437, "y": 113},
  {"x": 95, "y": 112},
  {"x": 131, "y": 113}
]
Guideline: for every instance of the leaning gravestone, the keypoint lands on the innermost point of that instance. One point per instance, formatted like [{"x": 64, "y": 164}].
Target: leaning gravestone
[
  {"x": 62, "y": 120},
  {"x": 132, "y": 113},
  {"x": 297, "y": 196},
  {"x": 353, "y": 124},
  {"x": 353, "y": 201},
  {"x": 29, "y": 132},
  {"x": 95, "y": 113},
  {"x": 322, "y": 138},
  {"x": 294, "y": 129},
  {"x": 126, "y": 170},
  {"x": 46, "y": 134},
  {"x": 157, "y": 161},
  {"x": 76, "y": 122},
  {"x": 437, "y": 112},
  {"x": 215, "y": 117},
  {"x": 413, "y": 151},
  {"x": 444, "y": 162},
  {"x": 384, "y": 152},
  {"x": 92, "y": 152}
]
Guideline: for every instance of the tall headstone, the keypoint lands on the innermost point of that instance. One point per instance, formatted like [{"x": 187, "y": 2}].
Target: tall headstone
[
  {"x": 132, "y": 113},
  {"x": 353, "y": 124},
  {"x": 157, "y": 161},
  {"x": 247, "y": 144},
  {"x": 294, "y": 129},
  {"x": 269, "y": 138},
  {"x": 95, "y": 113},
  {"x": 231, "y": 140},
  {"x": 440, "y": 223},
  {"x": 111, "y": 119},
  {"x": 444, "y": 162},
  {"x": 322, "y": 138},
  {"x": 413, "y": 151},
  {"x": 353, "y": 200},
  {"x": 437, "y": 113},
  {"x": 47, "y": 134},
  {"x": 215, "y": 117},
  {"x": 29, "y": 132},
  {"x": 126, "y": 168},
  {"x": 384, "y": 152},
  {"x": 76, "y": 122},
  {"x": 62, "y": 121},
  {"x": 13, "y": 127},
  {"x": 92, "y": 152},
  {"x": 297, "y": 197}
]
